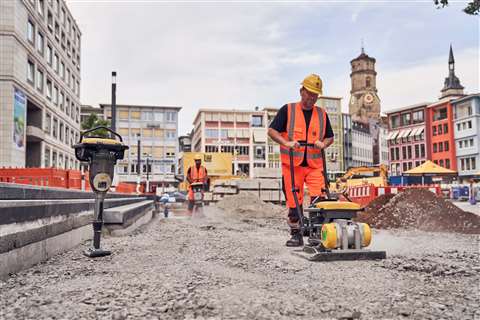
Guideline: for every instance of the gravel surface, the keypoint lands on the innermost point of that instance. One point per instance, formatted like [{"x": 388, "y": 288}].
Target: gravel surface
[{"x": 224, "y": 267}]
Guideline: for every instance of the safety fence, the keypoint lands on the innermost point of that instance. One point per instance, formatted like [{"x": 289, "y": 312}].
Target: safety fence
[
  {"x": 364, "y": 194},
  {"x": 56, "y": 178}
]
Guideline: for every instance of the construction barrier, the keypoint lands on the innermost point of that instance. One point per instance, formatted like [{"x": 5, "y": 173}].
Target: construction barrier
[
  {"x": 364, "y": 194},
  {"x": 56, "y": 178}
]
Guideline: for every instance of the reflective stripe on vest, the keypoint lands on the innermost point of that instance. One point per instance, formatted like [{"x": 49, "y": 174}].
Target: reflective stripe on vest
[{"x": 315, "y": 131}]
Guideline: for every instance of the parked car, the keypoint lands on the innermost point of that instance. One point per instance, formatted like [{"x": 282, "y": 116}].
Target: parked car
[{"x": 178, "y": 196}]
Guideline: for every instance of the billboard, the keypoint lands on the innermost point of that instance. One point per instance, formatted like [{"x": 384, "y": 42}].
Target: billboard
[
  {"x": 217, "y": 163},
  {"x": 19, "y": 117}
]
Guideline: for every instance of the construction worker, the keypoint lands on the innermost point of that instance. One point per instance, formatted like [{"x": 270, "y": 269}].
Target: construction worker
[
  {"x": 302, "y": 121},
  {"x": 196, "y": 173}
]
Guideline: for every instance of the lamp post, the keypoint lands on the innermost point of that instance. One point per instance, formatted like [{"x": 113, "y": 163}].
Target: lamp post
[
  {"x": 114, "y": 101},
  {"x": 139, "y": 170}
]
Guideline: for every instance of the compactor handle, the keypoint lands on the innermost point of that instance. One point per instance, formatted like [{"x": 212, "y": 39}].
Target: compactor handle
[{"x": 82, "y": 134}]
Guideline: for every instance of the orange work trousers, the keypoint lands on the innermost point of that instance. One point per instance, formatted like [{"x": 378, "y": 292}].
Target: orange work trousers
[{"x": 312, "y": 177}]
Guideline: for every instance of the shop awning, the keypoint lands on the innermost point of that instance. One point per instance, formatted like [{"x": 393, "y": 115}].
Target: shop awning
[{"x": 392, "y": 135}]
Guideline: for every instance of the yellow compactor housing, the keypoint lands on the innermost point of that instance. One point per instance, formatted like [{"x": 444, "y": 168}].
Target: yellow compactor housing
[{"x": 336, "y": 234}]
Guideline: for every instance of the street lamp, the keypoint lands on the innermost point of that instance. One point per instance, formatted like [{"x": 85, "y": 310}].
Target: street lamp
[{"x": 114, "y": 100}]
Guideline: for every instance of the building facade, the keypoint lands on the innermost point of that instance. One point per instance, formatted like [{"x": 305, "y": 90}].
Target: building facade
[
  {"x": 407, "y": 143},
  {"x": 240, "y": 132},
  {"x": 466, "y": 127},
  {"x": 347, "y": 141},
  {"x": 362, "y": 145},
  {"x": 364, "y": 102},
  {"x": 334, "y": 153},
  {"x": 86, "y": 111},
  {"x": 155, "y": 129},
  {"x": 39, "y": 84}
]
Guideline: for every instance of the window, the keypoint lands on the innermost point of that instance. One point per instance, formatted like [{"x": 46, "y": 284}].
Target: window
[
  {"x": 409, "y": 149},
  {"x": 440, "y": 114},
  {"x": 395, "y": 121},
  {"x": 56, "y": 5},
  {"x": 368, "y": 82},
  {"x": 62, "y": 70},
  {"x": 462, "y": 162},
  {"x": 171, "y": 117},
  {"x": 439, "y": 129},
  {"x": 30, "y": 72},
  {"x": 55, "y": 63},
  {"x": 48, "y": 123},
  {"x": 40, "y": 43},
  {"x": 62, "y": 17},
  {"x": 404, "y": 152},
  {"x": 50, "y": 20},
  {"x": 40, "y": 6},
  {"x": 242, "y": 150},
  {"x": 30, "y": 32},
  {"x": 62, "y": 132},
  {"x": 57, "y": 31},
  {"x": 417, "y": 151},
  {"x": 147, "y": 115},
  {"x": 440, "y": 147},
  {"x": 418, "y": 116},
  {"x": 170, "y": 134},
  {"x": 49, "y": 54},
  {"x": 434, "y": 130},
  {"x": 458, "y": 126},
  {"x": 441, "y": 163},
  {"x": 55, "y": 95},
  {"x": 67, "y": 106},
  {"x": 435, "y": 161},
  {"x": 474, "y": 165},
  {"x": 397, "y": 153},
  {"x": 211, "y": 149},
  {"x": 55, "y": 127},
  {"x": 471, "y": 142},
  {"x": 467, "y": 163},
  {"x": 46, "y": 158},
  {"x": 445, "y": 128},
  {"x": 460, "y": 144},
  {"x": 434, "y": 147},
  {"x": 62, "y": 101},
  {"x": 405, "y": 167},
  {"x": 257, "y": 121},
  {"x": 392, "y": 153},
  {"x": 405, "y": 119},
  {"x": 469, "y": 124},
  {"x": 69, "y": 30},
  {"x": 49, "y": 89},
  {"x": 447, "y": 163},
  {"x": 40, "y": 81},
  {"x": 67, "y": 135},
  {"x": 446, "y": 146},
  {"x": 68, "y": 76},
  {"x": 211, "y": 133}
]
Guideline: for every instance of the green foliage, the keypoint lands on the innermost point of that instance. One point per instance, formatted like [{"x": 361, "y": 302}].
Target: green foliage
[
  {"x": 92, "y": 122},
  {"x": 472, "y": 8}
]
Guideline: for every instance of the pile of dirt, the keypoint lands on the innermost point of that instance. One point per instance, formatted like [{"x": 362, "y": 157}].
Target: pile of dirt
[
  {"x": 249, "y": 205},
  {"x": 419, "y": 209}
]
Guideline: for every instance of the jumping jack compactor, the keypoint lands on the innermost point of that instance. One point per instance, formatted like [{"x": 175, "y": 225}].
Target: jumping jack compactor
[{"x": 332, "y": 234}]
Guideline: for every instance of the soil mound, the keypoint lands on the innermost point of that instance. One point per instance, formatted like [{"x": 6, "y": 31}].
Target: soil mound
[
  {"x": 419, "y": 209},
  {"x": 249, "y": 205}
]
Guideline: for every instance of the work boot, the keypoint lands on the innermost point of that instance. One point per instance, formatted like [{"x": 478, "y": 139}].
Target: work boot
[{"x": 296, "y": 240}]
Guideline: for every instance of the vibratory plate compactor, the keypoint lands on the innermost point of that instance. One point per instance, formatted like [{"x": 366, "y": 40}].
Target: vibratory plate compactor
[{"x": 332, "y": 234}]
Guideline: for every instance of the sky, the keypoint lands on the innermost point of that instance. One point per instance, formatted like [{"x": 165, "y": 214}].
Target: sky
[{"x": 242, "y": 54}]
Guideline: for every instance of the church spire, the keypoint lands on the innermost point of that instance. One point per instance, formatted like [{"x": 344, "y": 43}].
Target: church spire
[
  {"x": 452, "y": 84},
  {"x": 363, "y": 47}
]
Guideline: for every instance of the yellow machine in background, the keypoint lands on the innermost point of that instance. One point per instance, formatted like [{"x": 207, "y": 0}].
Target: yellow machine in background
[
  {"x": 375, "y": 175},
  {"x": 218, "y": 165}
]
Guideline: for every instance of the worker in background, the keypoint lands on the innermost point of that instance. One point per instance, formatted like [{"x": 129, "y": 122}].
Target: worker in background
[
  {"x": 196, "y": 173},
  {"x": 302, "y": 121}
]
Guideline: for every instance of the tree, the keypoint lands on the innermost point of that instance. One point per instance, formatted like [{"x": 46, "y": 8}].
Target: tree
[
  {"x": 92, "y": 122},
  {"x": 472, "y": 7}
]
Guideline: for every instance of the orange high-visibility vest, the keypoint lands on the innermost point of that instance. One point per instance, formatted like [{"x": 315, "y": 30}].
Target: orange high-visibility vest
[
  {"x": 297, "y": 130},
  {"x": 198, "y": 175}
]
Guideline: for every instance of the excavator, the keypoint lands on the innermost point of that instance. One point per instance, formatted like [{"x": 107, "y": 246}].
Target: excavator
[{"x": 374, "y": 175}]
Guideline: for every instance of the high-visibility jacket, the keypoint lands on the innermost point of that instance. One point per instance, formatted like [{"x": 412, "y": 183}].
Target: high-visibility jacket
[
  {"x": 297, "y": 130},
  {"x": 197, "y": 175}
]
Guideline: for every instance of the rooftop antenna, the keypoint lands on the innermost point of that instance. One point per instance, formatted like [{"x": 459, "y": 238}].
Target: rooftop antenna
[{"x": 363, "y": 48}]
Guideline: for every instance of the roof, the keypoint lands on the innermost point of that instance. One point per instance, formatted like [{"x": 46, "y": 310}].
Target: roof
[
  {"x": 473, "y": 95},
  {"x": 429, "y": 168},
  {"x": 363, "y": 56},
  {"x": 102, "y": 105},
  {"x": 442, "y": 101},
  {"x": 413, "y": 106}
]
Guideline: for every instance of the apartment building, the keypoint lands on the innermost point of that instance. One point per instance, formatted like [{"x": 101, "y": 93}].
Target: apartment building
[
  {"x": 240, "y": 132},
  {"x": 155, "y": 130},
  {"x": 362, "y": 145},
  {"x": 39, "y": 84},
  {"x": 406, "y": 138},
  {"x": 466, "y": 126},
  {"x": 334, "y": 153}
]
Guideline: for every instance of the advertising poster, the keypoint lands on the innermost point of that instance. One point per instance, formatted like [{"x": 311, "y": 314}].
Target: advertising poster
[{"x": 19, "y": 117}]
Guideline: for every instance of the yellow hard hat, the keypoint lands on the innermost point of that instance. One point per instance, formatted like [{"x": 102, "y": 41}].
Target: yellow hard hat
[
  {"x": 313, "y": 83},
  {"x": 198, "y": 156}
]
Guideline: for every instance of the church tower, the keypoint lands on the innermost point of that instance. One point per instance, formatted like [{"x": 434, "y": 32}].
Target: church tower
[
  {"x": 364, "y": 101},
  {"x": 452, "y": 86}
]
